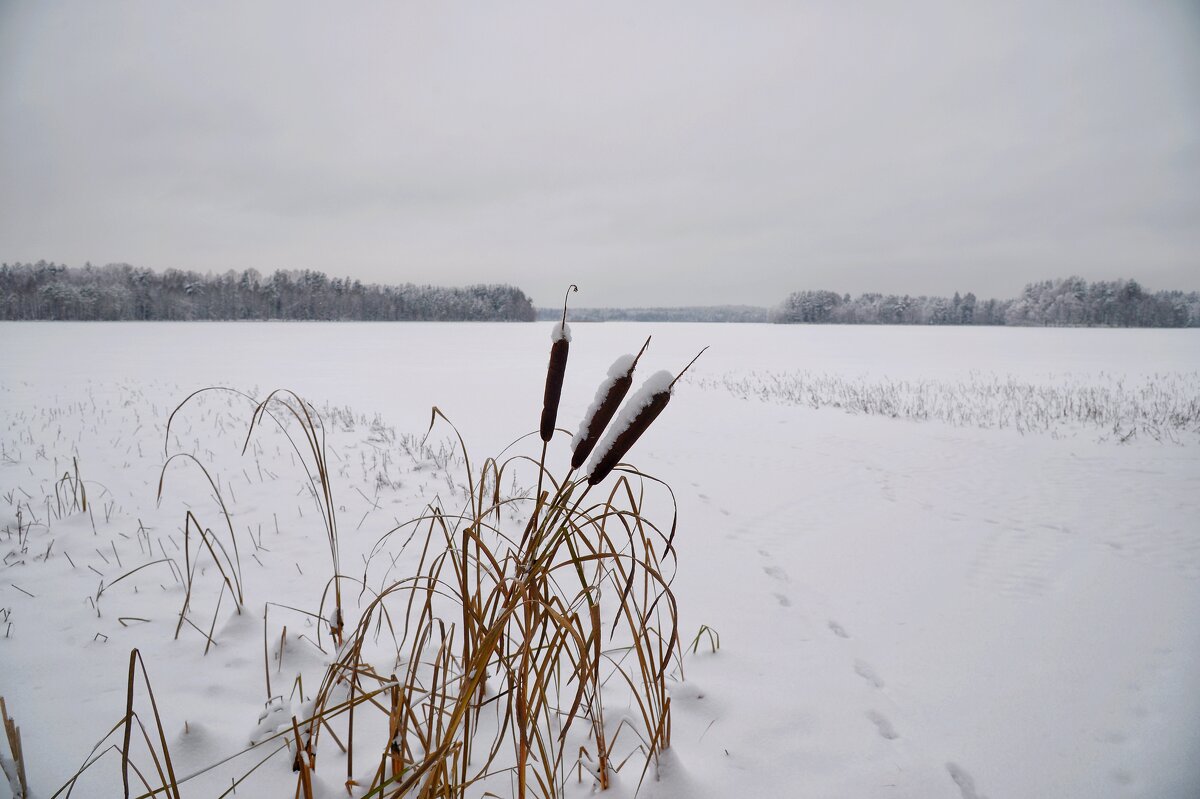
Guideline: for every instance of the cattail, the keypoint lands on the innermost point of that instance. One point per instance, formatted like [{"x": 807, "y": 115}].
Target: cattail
[
  {"x": 608, "y": 398},
  {"x": 642, "y": 409},
  {"x": 561, "y": 336}
]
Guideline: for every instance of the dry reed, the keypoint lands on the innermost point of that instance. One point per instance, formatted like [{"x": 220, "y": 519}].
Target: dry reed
[{"x": 16, "y": 780}]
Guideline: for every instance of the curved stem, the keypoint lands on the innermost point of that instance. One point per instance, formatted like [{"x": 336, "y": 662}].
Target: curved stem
[{"x": 570, "y": 288}]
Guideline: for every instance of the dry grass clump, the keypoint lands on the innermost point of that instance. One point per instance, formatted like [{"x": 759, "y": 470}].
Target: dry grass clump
[
  {"x": 307, "y": 439},
  {"x": 70, "y": 492},
  {"x": 489, "y": 667}
]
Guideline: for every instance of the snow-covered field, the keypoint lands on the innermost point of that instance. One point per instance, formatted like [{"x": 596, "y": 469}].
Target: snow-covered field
[{"x": 905, "y": 608}]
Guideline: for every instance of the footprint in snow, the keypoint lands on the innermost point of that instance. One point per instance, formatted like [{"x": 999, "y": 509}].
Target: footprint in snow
[
  {"x": 864, "y": 670},
  {"x": 883, "y": 725},
  {"x": 783, "y": 600},
  {"x": 776, "y": 573},
  {"x": 964, "y": 781},
  {"x": 838, "y": 629}
]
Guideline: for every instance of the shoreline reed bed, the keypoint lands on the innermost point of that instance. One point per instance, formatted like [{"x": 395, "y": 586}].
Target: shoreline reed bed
[
  {"x": 489, "y": 667},
  {"x": 1162, "y": 407}
]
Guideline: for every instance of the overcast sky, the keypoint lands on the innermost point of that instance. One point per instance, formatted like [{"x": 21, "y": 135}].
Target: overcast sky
[{"x": 654, "y": 153}]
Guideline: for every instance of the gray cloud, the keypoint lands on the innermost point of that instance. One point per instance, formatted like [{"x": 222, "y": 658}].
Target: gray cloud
[{"x": 684, "y": 153}]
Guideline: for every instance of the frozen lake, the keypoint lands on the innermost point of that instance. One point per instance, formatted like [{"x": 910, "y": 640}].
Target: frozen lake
[
  {"x": 402, "y": 369},
  {"x": 905, "y": 608}
]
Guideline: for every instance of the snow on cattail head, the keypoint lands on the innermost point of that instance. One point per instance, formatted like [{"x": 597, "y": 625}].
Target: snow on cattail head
[
  {"x": 637, "y": 415},
  {"x": 641, "y": 409},
  {"x": 608, "y": 398},
  {"x": 561, "y": 336}
]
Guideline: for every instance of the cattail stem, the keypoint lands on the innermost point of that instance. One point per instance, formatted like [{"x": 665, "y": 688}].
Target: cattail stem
[
  {"x": 537, "y": 504},
  {"x": 570, "y": 288},
  {"x": 548, "y": 552},
  {"x": 689, "y": 366},
  {"x": 638, "y": 357}
]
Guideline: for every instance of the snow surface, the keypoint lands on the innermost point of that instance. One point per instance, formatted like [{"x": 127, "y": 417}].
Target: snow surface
[
  {"x": 655, "y": 384},
  {"x": 905, "y": 609},
  {"x": 620, "y": 367}
]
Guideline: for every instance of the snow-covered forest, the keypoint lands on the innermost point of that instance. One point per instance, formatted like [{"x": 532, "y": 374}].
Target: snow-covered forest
[
  {"x": 123, "y": 292},
  {"x": 1068, "y": 301},
  {"x": 1064, "y": 302},
  {"x": 699, "y": 313},
  {"x": 46, "y": 290}
]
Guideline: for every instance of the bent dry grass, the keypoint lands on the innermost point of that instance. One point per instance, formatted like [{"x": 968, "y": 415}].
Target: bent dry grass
[{"x": 533, "y": 643}]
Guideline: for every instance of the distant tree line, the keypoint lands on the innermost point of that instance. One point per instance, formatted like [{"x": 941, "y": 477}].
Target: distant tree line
[
  {"x": 702, "y": 313},
  {"x": 1065, "y": 302},
  {"x": 123, "y": 292}
]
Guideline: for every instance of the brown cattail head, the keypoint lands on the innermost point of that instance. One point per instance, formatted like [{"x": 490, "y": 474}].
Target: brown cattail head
[
  {"x": 556, "y": 371},
  {"x": 642, "y": 409},
  {"x": 608, "y": 398},
  {"x": 554, "y": 380}
]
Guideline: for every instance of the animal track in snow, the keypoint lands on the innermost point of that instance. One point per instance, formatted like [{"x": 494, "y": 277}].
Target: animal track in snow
[
  {"x": 964, "y": 781},
  {"x": 838, "y": 629},
  {"x": 783, "y": 600},
  {"x": 883, "y": 725},
  {"x": 864, "y": 670},
  {"x": 776, "y": 573}
]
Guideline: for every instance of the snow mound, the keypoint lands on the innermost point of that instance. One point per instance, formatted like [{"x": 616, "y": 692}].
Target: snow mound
[{"x": 561, "y": 332}]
